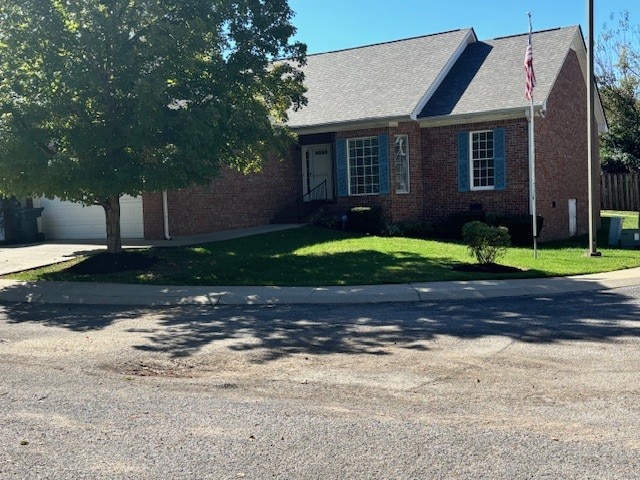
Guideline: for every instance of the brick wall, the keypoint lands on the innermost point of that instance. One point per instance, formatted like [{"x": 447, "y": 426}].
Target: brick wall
[
  {"x": 440, "y": 151},
  {"x": 408, "y": 206},
  {"x": 232, "y": 200},
  {"x": 396, "y": 207},
  {"x": 561, "y": 154}
]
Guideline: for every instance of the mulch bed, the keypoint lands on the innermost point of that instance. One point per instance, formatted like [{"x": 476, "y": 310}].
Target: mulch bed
[{"x": 103, "y": 263}]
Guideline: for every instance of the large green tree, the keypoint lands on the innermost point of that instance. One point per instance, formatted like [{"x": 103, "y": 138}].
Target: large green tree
[
  {"x": 618, "y": 75},
  {"x": 101, "y": 98}
]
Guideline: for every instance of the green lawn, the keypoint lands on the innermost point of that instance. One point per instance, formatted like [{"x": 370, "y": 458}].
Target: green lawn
[{"x": 312, "y": 256}]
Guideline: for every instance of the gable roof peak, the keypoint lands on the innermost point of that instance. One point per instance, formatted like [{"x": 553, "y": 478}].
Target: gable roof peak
[
  {"x": 377, "y": 82},
  {"x": 526, "y": 33},
  {"x": 398, "y": 40},
  {"x": 489, "y": 76}
]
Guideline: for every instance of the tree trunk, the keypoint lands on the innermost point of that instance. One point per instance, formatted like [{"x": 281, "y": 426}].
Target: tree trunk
[{"x": 112, "y": 213}]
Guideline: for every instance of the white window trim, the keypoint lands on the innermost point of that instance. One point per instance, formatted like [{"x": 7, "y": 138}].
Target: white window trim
[
  {"x": 349, "y": 168},
  {"x": 408, "y": 189},
  {"x": 471, "y": 178}
]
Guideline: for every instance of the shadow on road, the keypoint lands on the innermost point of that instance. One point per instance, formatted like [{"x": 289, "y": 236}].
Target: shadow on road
[
  {"x": 78, "y": 318},
  {"x": 273, "y": 332}
]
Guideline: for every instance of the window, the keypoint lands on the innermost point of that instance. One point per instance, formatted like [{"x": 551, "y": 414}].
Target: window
[
  {"x": 482, "y": 161},
  {"x": 364, "y": 166},
  {"x": 401, "y": 159}
]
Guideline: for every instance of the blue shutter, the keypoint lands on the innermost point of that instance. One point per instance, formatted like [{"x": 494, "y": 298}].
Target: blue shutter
[
  {"x": 341, "y": 167},
  {"x": 463, "y": 162},
  {"x": 383, "y": 163},
  {"x": 499, "y": 160}
]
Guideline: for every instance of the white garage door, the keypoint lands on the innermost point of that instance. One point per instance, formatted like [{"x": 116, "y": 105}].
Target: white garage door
[{"x": 67, "y": 220}]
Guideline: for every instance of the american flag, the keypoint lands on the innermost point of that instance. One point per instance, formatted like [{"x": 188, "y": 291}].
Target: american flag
[{"x": 528, "y": 68}]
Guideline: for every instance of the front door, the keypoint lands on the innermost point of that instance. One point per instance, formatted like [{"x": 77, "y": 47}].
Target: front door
[{"x": 317, "y": 172}]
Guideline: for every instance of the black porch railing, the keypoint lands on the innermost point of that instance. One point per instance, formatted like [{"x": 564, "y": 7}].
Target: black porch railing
[{"x": 308, "y": 202}]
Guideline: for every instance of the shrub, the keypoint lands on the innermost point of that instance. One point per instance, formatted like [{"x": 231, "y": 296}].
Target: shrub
[
  {"x": 393, "y": 230},
  {"x": 365, "y": 220},
  {"x": 519, "y": 226},
  {"x": 328, "y": 221},
  {"x": 409, "y": 229},
  {"x": 485, "y": 242},
  {"x": 419, "y": 229},
  {"x": 452, "y": 226}
]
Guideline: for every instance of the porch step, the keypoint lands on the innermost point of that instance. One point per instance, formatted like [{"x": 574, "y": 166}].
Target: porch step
[{"x": 300, "y": 213}]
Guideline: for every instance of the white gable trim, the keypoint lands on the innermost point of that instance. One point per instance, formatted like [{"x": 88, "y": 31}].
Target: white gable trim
[
  {"x": 347, "y": 126},
  {"x": 488, "y": 116},
  {"x": 469, "y": 39}
]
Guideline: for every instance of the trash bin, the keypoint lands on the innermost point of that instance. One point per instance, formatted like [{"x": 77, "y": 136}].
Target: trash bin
[
  {"x": 3, "y": 231},
  {"x": 27, "y": 224},
  {"x": 615, "y": 231},
  {"x": 8, "y": 218}
]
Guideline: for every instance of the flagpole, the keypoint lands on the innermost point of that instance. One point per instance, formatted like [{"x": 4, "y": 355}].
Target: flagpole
[
  {"x": 532, "y": 179},
  {"x": 532, "y": 162},
  {"x": 593, "y": 251}
]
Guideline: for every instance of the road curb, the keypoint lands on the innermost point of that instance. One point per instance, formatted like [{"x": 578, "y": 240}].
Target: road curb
[{"x": 158, "y": 295}]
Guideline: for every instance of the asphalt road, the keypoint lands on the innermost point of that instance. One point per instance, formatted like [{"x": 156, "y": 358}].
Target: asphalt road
[{"x": 544, "y": 387}]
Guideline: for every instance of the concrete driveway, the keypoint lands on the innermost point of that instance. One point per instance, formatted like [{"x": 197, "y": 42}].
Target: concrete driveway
[{"x": 16, "y": 258}]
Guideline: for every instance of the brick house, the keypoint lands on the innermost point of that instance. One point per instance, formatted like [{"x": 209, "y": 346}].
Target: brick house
[
  {"x": 467, "y": 102},
  {"x": 422, "y": 127}
]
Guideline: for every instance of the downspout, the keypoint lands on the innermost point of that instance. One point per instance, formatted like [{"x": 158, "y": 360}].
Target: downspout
[{"x": 165, "y": 215}]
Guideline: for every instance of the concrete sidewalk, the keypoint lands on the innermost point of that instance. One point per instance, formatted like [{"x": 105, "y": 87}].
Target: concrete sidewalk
[
  {"x": 151, "y": 295},
  {"x": 14, "y": 259}
]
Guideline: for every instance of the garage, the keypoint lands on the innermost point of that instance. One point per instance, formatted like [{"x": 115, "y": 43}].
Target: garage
[{"x": 62, "y": 220}]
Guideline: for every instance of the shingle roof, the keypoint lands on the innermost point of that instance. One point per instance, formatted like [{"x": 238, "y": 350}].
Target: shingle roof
[
  {"x": 452, "y": 72},
  {"x": 489, "y": 75},
  {"x": 380, "y": 81}
]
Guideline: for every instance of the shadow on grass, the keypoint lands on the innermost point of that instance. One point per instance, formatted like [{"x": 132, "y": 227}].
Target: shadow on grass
[
  {"x": 363, "y": 267},
  {"x": 274, "y": 332}
]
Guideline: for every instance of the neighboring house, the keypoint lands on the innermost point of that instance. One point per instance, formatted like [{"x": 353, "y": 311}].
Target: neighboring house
[{"x": 422, "y": 127}]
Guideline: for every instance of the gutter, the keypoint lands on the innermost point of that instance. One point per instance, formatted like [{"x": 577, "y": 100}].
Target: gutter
[
  {"x": 488, "y": 116},
  {"x": 346, "y": 126}
]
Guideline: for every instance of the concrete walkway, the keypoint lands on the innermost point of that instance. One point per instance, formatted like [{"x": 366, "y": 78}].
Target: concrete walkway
[{"x": 25, "y": 257}]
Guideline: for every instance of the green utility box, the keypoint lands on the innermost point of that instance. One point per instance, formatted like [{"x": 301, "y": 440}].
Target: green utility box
[{"x": 630, "y": 238}]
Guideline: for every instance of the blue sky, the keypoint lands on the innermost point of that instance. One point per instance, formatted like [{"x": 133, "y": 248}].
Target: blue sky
[{"x": 326, "y": 25}]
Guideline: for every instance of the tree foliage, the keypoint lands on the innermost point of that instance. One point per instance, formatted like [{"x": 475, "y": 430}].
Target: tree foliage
[
  {"x": 100, "y": 98},
  {"x": 618, "y": 75}
]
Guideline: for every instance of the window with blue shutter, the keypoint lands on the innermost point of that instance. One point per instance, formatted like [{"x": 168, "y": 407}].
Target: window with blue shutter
[
  {"x": 383, "y": 163},
  {"x": 499, "y": 159},
  {"x": 463, "y": 161},
  {"x": 341, "y": 167},
  {"x": 482, "y": 160},
  {"x": 362, "y": 166}
]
